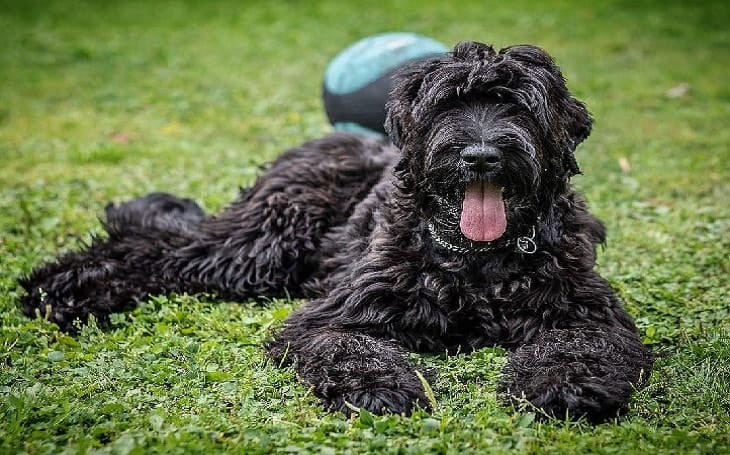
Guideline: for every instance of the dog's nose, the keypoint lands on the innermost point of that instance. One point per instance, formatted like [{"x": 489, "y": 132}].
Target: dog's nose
[{"x": 481, "y": 157}]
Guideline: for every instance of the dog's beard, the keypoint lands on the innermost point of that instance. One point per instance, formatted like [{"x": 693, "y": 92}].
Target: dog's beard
[{"x": 483, "y": 208}]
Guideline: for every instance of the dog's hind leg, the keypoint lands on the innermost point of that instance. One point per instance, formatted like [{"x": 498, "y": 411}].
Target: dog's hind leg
[
  {"x": 265, "y": 243},
  {"x": 268, "y": 242},
  {"x": 109, "y": 275}
]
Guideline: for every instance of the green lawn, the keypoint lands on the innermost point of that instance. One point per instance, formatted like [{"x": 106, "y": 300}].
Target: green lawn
[{"x": 109, "y": 100}]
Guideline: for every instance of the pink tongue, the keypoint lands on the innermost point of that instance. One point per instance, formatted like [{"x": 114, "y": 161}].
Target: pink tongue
[{"x": 482, "y": 216}]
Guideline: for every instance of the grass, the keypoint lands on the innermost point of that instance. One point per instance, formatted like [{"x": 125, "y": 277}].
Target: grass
[{"x": 109, "y": 100}]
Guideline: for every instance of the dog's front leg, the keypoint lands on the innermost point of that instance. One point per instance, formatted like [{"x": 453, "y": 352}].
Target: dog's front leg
[
  {"x": 579, "y": 372},
  {"x": 349, "y": 370}
]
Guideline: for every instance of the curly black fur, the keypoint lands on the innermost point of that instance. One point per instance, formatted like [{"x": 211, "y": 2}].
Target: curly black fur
[{"x": 370, "y": 233}]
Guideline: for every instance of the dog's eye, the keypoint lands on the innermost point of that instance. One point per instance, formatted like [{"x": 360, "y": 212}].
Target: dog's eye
[{"x": 500, "y": 97}]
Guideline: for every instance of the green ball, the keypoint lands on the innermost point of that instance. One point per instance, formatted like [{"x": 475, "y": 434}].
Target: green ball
[{"x": 358, "y": 80}]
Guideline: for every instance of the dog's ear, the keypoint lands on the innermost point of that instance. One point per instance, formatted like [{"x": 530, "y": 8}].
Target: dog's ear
[
  {"x": 557, "y": 102},
  {"x": 578, "y": 121},
  {"x": 578, "y": 124},
  {"x": 403, "y": 96}
]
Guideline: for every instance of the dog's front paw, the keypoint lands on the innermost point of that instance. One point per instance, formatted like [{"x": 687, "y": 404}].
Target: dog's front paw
[
  {"x": 379, "y": 385},
  {"x": 560, "y": 394},
  {"x": 577, "y": 373},
  {"x": 395, "y": 400},
  {"x": 350, "y": 370}
]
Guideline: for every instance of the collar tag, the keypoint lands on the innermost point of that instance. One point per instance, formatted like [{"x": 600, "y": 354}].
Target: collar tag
[{"x": 526, "y": 244}]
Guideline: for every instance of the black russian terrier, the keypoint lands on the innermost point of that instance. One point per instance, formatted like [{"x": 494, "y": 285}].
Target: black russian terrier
[{"x": 466, "y": 234}]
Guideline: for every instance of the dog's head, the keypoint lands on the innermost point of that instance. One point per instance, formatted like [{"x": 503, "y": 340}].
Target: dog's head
[{"x": 486, "y": 136}]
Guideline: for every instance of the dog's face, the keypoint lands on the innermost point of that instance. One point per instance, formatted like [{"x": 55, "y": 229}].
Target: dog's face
[{"x": 486, "y": 137}]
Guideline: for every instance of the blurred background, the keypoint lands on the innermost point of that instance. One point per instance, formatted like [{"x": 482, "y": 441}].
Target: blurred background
[{"x": 134, "y": 83}]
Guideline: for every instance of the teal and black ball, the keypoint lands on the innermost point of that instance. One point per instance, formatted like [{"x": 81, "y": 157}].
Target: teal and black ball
[{"x": 357, "y": 81}]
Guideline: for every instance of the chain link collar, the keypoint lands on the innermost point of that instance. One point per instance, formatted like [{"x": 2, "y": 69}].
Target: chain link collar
[{"x": 524, "y": 244}]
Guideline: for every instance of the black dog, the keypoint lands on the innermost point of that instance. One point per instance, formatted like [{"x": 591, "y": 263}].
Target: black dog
[{"x": 468, "y": 236}]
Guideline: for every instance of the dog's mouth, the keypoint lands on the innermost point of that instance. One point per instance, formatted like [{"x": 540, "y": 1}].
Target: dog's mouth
[{"x": 483, "y": 214}]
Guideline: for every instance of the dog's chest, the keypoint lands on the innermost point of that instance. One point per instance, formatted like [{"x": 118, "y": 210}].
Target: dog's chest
[{"x": 474, "y": 309}]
